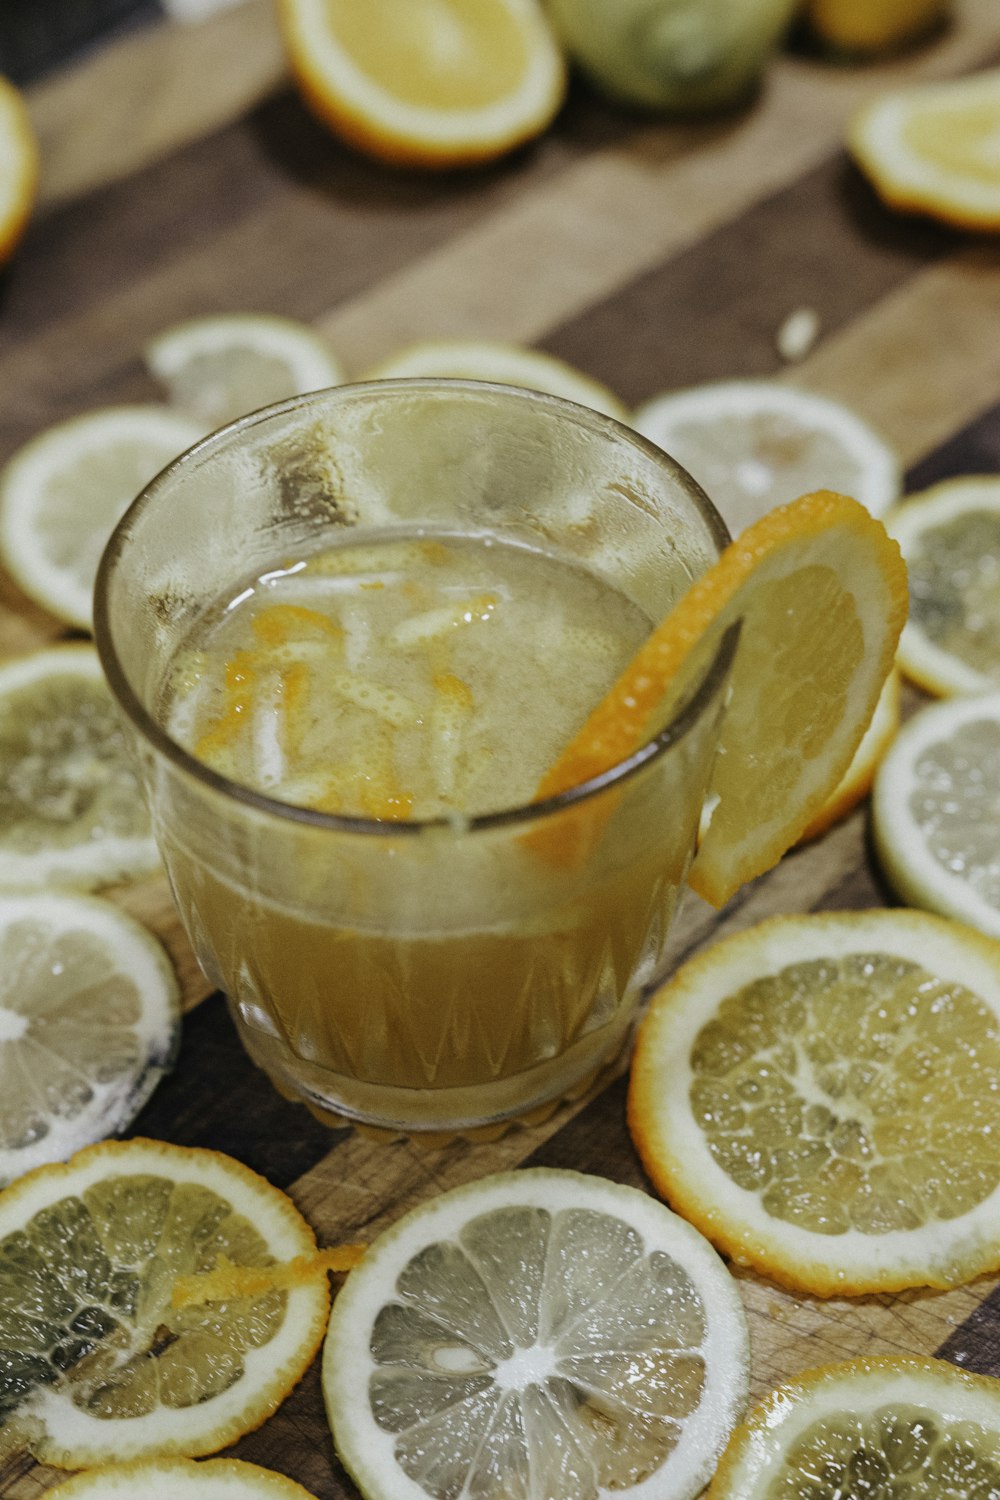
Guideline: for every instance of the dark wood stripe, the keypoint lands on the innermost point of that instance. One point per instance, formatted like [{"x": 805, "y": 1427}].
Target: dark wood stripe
[
  {"x": 973, "y": 450},
  {"x": 270, "y": 214},
  {"x": 975, "y": 1344},
  {"x": 216, "y": 1097},
  {"x": 713, "y": 311}
]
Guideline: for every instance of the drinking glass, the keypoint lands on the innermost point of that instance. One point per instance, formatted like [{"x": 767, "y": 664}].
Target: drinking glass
[{"x": 445, "y": 976}]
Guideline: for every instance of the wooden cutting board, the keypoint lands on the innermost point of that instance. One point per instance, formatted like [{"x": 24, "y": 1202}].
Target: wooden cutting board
[{"x": 182, "y": 176}]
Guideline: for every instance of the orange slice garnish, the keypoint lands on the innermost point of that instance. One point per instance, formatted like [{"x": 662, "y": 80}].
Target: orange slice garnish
[{"x": 820, "y": 589}]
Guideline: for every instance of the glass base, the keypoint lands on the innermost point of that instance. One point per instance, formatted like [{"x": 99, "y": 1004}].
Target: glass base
[{"x": 477, "y": 1111}]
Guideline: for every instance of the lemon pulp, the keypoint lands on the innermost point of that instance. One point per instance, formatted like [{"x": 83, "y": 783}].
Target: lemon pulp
[
  {"x": 85, "y": 1302},
  {"x": 954, "y": 571},
  {"x": 955, "y": 805},
  {"x": 848, "y": 1113},
  {"x": 435, "y": 54},
  {"x": 545, "y": 1342},
  {"x": 898, "y": 1449}
]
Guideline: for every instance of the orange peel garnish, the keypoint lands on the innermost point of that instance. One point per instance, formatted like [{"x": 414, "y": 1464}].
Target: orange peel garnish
[{"x": 228, "y": 1279}]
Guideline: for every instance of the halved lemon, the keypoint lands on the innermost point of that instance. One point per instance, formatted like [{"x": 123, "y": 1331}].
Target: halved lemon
[
  {"x": 72, "y": 810},
  {"x": 936, "y": 810},
  {"x": 18, "y": 168},
  {"x": 98, "y": 1364},
  {"x": 820, "y": 591},
  {"x": 507, "y": 364},
  {"x": 179, "y": 1478},
  {"x": 89, "y": 1023},
  {"x": 869, "y": 1427},
  {"x": 63, "y": 493},
  {"x": 857, "y": 779},
  {"x": 536, "y": 1333},
  {"x": 681, "y": 55},
  {"x": 755, "y": 444},
  {"x": 863, "y": 27},
  {"x": 218, "y": 368},
  {"x": 820, "y": 1096},
  {"x": 430, "y": 83},
  {"x": 950, "y": 538},
  {"x": 932, "y": 148}
]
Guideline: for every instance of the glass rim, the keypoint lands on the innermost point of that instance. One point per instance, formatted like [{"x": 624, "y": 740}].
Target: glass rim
[{"x": 683, "y": 720}]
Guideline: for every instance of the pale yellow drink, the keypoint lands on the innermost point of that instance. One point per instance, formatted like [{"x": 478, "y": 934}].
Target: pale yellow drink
[{"x": 351, "y": 634}]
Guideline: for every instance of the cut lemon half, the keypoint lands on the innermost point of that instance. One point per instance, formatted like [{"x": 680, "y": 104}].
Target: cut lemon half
[
  {"x": 902, "y": 1427},
  {"x": 821, "y": 593},
  {"x": 536, "y": 1333},
  {"x": 950, "y": 538},
  {"x": 506, "y": 364},
  {"x": 98, "y": 1364},
  {"x": 72, "y": 811},
  {"x": 430, "y": 83},
  {"x": 63, "y": 493},
  {"x": 936, "y": 811},
  {"x": 755, "y": 444},
  {"x": 819, "y": 1095},
  {"x": 217, "y": 369},
  {"x": 178, "y": 1478},
  {"x": 89, "y": 1023},
  {"x": 857, "y": 779},
  {"x": 868, "y": 26},
  {"x": 18, "y": 168},
  {"x": 932, "y": 148}
]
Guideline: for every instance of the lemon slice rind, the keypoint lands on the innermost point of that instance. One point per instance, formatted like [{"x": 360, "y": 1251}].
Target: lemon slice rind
[
  {"x": 915, "y": 872},
  {"x": 67, "y": 1436},
  {"x": 311, "y": 363},
  {"x": 673, "y": 1147},
  {"x": 502, "y": 363},
  {"x": 92, "y": 861},
  {"x": 933, "y": 668},
  {"x": 176, "y": 1478},
  {"x": 700, "y": 418},
  {"x": 367, "y": 1449},
  {"x": 19, "y": 162},
  {"x": 857, "y": 780},
  {"x": 133, "y": 954},
  {"x": 51, "y": 536},
  {"x": 754, "y": 1462}
]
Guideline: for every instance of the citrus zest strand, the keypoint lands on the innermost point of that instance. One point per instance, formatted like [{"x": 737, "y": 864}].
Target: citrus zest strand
[{"x": 228, "y": 1279}]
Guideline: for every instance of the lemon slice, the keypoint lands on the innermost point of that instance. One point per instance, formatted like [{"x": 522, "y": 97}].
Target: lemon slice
[
  {"x": 857, "y": 779},
  {"x": 176, "y": 1478},
  {"x": 536, "y": 1333},
  {"x": 862, "y": 27},
  {"x": 63, "y": 493},
  {"x": 217, "y": 369},
  {"x": 72, "y": 810},
  {"x": 950, "y": 538},
  {"x": 936, "y": 810},
  {"x": 89, "y": 1023},
  {"x": 431, "y": 83},
  {"x": 819, "y": 1095},
  {"x": 755, "y": 444},
  {"x": 506, "y": 364},
  {"x": 98, "y": 1366},
  {"x": 18, "y": 168},
  {"x": 673, "y": 54},
  {"x": 819, "y": 592},
  {"x": 898, "y": 1427},
  {"x": 932, "y": 148}
]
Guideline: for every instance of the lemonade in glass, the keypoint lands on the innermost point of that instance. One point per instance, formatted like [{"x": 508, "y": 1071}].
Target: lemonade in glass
[{"x": 351, "y": 633}]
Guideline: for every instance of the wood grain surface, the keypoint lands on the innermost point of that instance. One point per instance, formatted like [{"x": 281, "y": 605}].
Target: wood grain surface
[{"x": 181, "y": 176}]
